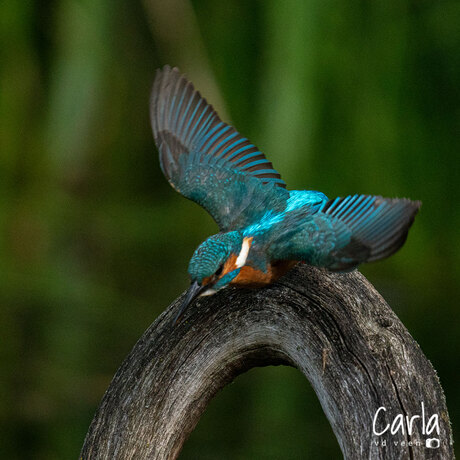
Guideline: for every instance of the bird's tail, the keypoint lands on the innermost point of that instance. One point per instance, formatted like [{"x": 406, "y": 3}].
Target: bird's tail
[{"x": 378, "y": 227}]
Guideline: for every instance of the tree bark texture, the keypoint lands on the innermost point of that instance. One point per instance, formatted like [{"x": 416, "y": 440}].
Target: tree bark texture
[{"x": 335, "y": 328}]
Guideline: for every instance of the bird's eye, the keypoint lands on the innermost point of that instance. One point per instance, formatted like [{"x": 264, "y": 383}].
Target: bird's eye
[{"x": 219, "y": 270}]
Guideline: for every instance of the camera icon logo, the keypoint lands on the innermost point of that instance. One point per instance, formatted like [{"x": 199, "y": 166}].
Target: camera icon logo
[{"x": 432, "y": 443}]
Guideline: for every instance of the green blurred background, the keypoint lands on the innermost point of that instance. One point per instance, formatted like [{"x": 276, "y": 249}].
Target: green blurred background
[{"x": 345, "y": 97}]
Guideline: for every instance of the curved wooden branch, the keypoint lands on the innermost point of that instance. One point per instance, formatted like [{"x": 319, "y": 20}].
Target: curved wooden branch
[{"x": 335, "y": 328}]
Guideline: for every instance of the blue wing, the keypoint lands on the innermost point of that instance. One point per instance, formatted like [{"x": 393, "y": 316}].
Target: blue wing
[
  {"x": 207, "y": 160},
  {"x": 345, "y": 232}
]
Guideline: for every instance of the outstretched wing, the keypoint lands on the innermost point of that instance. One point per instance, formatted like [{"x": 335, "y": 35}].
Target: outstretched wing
[
  {"x": 346, "y": 232},
  {"x": 207, "y": 160}
]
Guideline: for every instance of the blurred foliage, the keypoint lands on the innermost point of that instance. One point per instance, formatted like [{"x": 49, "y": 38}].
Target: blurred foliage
[{"x": 344, "y": 97}]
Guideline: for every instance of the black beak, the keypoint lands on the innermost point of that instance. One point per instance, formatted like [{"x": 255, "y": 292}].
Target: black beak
[{"x": 193, "y": 292}]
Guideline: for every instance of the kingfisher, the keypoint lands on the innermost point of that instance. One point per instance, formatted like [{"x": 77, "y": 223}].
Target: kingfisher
[{"x": 265, "y": 229}]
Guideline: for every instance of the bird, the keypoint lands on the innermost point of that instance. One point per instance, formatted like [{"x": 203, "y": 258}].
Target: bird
[{"x": 264, "y": 228}]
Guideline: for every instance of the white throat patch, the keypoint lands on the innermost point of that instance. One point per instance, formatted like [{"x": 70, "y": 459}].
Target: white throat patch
[{"x": 243, "y": 255}]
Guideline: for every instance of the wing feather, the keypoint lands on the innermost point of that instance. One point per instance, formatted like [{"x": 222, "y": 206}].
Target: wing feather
[
  {"x": 346, "y": 232},
  {"x": 177, "y": 108},
  {"x": 206, "y": 159}
]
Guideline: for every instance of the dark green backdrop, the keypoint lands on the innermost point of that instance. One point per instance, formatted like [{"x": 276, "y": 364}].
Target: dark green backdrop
[{"x": 345, "y": 97}]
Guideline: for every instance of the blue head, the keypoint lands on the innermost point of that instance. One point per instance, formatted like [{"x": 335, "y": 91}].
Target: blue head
[
  {"x": 214, "y": 264},
  {"x": 207, "y": 262}
]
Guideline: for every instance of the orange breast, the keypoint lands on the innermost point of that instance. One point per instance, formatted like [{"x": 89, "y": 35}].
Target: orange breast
[{"x": 252, "y": 277}]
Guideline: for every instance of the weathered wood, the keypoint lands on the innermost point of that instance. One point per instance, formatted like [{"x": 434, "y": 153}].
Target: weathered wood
[{"x": 335, "y": 328}]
